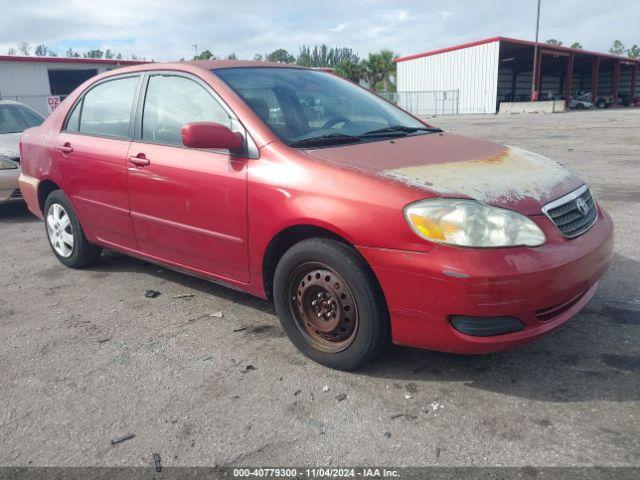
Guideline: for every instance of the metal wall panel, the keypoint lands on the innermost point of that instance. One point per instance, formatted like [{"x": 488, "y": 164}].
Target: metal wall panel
[
  {"x": 29, "y": 82},
  {"x": 473, "y": 71}
]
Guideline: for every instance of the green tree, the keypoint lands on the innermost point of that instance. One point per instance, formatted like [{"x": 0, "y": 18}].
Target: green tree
[
  {"x": 205, "y": 55},
  {"x": 553, "y": 41},
  {"x": 71, "y": 53},
  {"x": 378, "y": 68},
  {"x": 41, "y": 51},
  {"x": 280, "y": 56},
  {"x": 232, "y": 56},
  {"x": 320, "y": 56},
  {"x": 576, "y": 45},
  {"x": 108, "y": 54},
  {"x": 12, "y": 52},
  {"x": 617, "y": 48},
  {"x": 258, "y": 57},
  {"x": 634, "y": 51},
  {"x": 97, "y": 53},
  {"x": 24, "y": 48},
  {"x": 349, "y": 69}
]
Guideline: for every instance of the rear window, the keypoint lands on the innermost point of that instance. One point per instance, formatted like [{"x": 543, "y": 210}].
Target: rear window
[
  {"x": 16, "y": 118},
  {"x": 106, "y": 108}
]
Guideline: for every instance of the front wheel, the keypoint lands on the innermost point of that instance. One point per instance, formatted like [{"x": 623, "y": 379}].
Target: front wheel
[
  {"x": 330, "y": 304},
  {"x": 65, "y": 234}
]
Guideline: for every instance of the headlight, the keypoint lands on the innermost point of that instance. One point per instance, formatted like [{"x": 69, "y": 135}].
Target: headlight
[
  {"x": 6, "y": 164},
  {"x": 468, "y": 223}
]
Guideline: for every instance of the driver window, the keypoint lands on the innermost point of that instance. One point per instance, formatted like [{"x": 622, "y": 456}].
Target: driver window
[
  {"x": 173, "y": 101},
  {"x": 323, "y": 110}
]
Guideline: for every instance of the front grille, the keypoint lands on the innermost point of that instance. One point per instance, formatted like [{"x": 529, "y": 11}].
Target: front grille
[
  {"x": 567, "y": 215},
  {"x": 16, "y": 194}
]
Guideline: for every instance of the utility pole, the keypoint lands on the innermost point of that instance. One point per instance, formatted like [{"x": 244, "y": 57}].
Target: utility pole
[
  {"x": 195, "y": 45},
  {"x": 534, "y": 92}
]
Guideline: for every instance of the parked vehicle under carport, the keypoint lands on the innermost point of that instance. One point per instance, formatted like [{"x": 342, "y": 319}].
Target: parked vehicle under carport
[{"x": 580, "y": 103}]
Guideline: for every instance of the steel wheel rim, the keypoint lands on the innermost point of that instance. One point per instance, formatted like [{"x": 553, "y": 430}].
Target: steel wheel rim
[
  {"x": 60, "y": 230},
  {"x": 323, "y": 307}
]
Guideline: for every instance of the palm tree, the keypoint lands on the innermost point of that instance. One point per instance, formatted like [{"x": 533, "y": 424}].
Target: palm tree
[
  {"x": 378, "y": 68},
  {"x": 387, "y": 67},
  {"x": 370, "y": 70}
]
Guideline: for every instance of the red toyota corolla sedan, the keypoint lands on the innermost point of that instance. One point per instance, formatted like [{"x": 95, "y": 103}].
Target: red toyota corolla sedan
[{"x": 364, "y": 224}]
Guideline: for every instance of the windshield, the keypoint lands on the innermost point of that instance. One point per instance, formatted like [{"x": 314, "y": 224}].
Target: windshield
[
  {"x": 16, "y": 118},
  {"x": 311, "y": 108}
]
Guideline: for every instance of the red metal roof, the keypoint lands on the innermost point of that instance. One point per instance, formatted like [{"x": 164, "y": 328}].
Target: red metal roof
[
  {"x": 105, "y": 61},
  {"x": 546, "y": 46}
]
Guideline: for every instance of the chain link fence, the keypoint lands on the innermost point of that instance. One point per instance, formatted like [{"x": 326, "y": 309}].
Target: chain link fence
[{"x": 433, "y": 102}]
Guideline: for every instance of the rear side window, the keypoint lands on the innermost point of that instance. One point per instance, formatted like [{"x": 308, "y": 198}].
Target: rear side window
[
  {"x": 173, "y": 101},
  {"x": 106, "y": 108},
  {"x": 73, "y": 122}
]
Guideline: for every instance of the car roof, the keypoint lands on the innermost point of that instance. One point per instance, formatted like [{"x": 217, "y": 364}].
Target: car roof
[
  {"x": 217, "y": 64},
  {"x": 206, "y": 65}
]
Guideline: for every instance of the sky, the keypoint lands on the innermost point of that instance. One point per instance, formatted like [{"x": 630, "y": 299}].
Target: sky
[{"x": 167, "y": 30}]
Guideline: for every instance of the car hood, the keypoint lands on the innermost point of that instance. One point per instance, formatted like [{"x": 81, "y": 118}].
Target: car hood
[
  {"x": 9, "y": 144},
  {"x": 451, "y": 165}
]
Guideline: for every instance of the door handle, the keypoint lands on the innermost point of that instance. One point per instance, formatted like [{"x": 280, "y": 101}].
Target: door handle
[
  {"x": 140, "y": 160},
  {"x": 65, "y": 147}
]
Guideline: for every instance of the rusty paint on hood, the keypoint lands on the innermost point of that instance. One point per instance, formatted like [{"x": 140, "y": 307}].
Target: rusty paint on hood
[
  {"x": 451, "y": 165},
  {"x": 512, "y": 175}
]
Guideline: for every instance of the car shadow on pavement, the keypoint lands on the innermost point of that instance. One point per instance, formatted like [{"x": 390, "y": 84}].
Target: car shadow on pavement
[
  {"x": 595, "y": 356},
  {"x": 115, "y": 262},
  {"x": 16, "y": 212}
]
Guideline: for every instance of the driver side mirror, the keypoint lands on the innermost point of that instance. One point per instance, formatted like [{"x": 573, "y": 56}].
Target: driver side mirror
[{"x": 210, "y": 135}]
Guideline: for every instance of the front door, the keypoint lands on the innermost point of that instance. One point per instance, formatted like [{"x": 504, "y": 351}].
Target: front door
[{"x": 188, "y": 206}]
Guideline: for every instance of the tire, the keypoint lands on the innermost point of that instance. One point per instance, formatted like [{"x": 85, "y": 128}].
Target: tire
[
  {"x": 580, "y": 106},
  {"x": 65, "y": 234},
  {"x": 330, "y": 304},
  {"x": 601, "y": 103}
]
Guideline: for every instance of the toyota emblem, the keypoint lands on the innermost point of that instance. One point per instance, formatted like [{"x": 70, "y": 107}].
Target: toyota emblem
[{"x": 581, "y": 205}]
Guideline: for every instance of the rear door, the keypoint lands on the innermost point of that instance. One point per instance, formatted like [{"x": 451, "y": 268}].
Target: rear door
[
  {"x": 188, "y": 206},
  {"x": 92, "y": 154}
]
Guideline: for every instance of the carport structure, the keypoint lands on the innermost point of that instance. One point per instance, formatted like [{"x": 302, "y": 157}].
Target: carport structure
[
  {"x": 484, "y": 73},
  {"x": 563, "y": 72}
]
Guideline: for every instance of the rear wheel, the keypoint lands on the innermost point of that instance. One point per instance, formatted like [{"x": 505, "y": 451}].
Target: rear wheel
[
  {"x": 330, "y": 304},
  {"x": 65, "y": 234}
]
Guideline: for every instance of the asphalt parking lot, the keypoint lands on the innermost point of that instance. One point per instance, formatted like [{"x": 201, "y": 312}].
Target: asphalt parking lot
[{"x": 86, "y": 358}]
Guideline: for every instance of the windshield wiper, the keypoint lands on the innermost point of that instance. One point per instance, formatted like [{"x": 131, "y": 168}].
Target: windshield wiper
[
  {"x": 401, "y": 130},
  {"x": 330, "y": 139}
]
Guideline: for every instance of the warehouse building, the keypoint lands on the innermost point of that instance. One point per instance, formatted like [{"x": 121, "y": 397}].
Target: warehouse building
[
  {"x": 475, "y": 77},
  {"x": 42, "y": 82}
]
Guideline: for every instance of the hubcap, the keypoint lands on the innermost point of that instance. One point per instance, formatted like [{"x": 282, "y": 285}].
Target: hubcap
[
  {"x": 59, "y": 230},
  {"x": 324, "y": 307}
]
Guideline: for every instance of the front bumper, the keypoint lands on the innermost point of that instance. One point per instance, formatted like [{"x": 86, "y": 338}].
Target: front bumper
[
  {"x": 543, "y": 287},
  {"x": 9, "y": 190}
]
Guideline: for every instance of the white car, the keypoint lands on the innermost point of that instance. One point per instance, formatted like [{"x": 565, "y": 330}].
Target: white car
[
  {"x": 581, "y": 102},
  {"x": 15, "y": 117}
]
